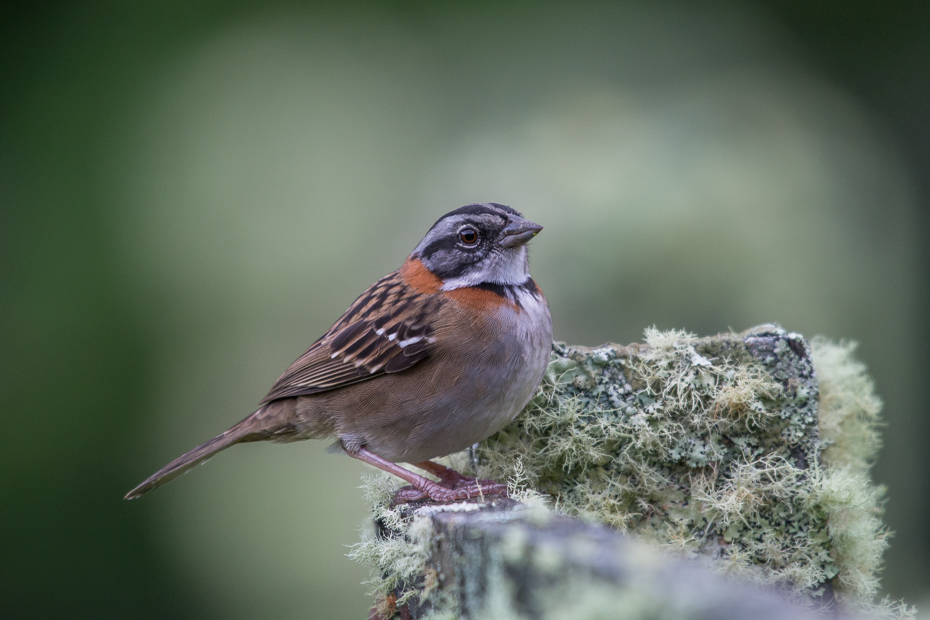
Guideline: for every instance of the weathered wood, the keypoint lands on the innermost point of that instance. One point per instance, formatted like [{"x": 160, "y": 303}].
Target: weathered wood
[{"x": 498, "y": 559}]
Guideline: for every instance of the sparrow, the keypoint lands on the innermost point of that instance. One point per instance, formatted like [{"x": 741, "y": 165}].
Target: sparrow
[{"x": 431, "y": 359}]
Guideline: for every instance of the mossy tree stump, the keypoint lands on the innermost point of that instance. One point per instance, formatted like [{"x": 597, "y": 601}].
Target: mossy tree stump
[{"x": 749, "y": 451}]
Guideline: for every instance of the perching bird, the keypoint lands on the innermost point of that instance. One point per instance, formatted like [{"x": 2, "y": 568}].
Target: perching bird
[{"x": 432, "y": 358}]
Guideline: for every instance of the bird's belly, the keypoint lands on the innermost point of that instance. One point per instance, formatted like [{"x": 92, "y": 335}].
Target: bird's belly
[
  {"x": 478, "y": 413},
  {"x": 491, "y": 390}
]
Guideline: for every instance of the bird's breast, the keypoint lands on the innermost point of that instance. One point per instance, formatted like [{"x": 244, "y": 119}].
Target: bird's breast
[{"x": 485, "y": 365}]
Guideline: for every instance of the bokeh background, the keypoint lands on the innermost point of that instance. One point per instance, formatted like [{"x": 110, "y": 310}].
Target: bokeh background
[{"x": 191, "y": 192}]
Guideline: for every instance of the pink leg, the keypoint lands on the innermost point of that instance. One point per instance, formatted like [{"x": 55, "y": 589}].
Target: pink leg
[{"x": 424, "y": 487}]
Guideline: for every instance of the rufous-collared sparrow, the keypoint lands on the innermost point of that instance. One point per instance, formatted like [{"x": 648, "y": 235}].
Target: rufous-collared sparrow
[{"x": 432, "y": 358}]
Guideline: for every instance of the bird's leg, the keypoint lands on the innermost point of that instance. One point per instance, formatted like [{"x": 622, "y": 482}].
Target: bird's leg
[
  {"x": 420, "y": 487},
  {"x": 448, "y": 477},
  {"x": 424, "y": 487}
]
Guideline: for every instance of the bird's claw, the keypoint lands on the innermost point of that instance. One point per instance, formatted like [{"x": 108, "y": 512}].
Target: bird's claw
[{"x": 462, "y": 487}]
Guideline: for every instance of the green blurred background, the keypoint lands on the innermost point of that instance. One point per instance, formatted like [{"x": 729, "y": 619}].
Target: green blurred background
[{"x": 191, "y": 192}]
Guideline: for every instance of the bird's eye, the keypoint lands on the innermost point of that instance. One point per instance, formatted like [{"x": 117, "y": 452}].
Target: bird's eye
[{"x": 468, "y": 236}]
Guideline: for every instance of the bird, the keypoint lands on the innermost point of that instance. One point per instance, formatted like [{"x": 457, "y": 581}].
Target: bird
[{"x": 431, "y": 359}]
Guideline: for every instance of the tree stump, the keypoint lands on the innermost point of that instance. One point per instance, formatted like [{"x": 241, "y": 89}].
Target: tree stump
[{"x": 746, "y": 452}]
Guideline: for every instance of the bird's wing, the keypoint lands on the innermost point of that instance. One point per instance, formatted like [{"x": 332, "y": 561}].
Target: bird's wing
[{"x": 386, "y": 330}]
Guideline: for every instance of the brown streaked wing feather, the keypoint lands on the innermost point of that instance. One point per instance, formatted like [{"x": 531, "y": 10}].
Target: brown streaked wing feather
[{"x": 353, "y": 350}]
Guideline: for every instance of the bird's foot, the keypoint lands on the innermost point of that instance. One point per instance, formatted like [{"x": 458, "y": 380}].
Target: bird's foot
[{"x": 452, "y": 489}]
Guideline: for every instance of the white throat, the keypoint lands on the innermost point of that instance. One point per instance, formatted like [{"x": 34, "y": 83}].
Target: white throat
[{"x": 499, "y": 268}]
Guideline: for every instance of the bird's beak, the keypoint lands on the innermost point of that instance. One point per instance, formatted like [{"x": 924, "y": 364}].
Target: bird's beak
[{"x": 518, "y": 232}]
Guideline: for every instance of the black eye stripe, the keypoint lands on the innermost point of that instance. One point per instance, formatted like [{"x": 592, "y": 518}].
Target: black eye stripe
[
  {"x": 450, "y": 240},
  {"x": 446, "y": 243}
]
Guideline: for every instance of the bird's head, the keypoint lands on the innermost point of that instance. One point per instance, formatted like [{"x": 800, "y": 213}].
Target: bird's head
[{"x": 478, "y": 244}]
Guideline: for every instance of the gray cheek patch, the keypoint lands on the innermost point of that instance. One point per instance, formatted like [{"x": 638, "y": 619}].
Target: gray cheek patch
[{"x": 445, "y": 262}]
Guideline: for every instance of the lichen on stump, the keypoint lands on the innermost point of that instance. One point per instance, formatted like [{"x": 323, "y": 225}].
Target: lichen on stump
[{"x": 750, "y": 449}]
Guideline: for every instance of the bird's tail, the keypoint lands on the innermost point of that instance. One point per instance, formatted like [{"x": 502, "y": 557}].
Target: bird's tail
[{"x": 243, "y": 431}]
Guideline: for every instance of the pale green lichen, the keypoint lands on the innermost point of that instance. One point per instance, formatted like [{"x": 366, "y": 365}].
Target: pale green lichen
[
  {"x": 400, "y": 561},
  {"x": 849, "y": 407},
  {"x": 726, "y": 448},
  {"x": 849, "y": 421}
]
